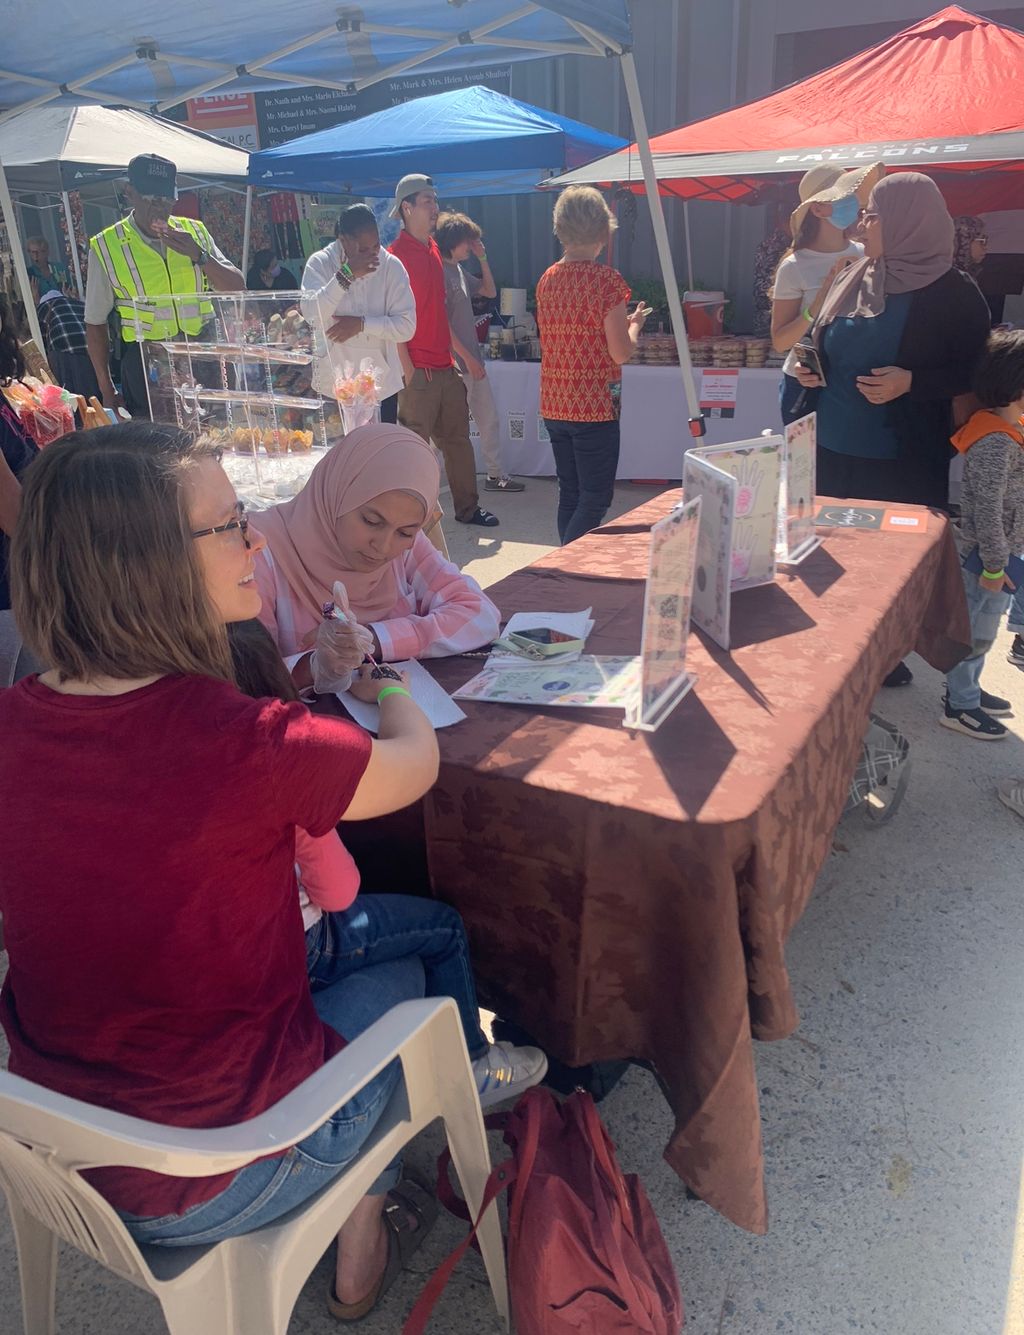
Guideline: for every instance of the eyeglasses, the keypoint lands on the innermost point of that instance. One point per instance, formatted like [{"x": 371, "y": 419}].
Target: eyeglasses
[
  {"x": 240, "y": 522},
  {"x": 865, "y": 217}
]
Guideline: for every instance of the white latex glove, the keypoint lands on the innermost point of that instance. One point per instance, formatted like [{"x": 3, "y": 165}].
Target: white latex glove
[
  {"x": 339, "y": 649},
  {"x": 342, "y": 603}
]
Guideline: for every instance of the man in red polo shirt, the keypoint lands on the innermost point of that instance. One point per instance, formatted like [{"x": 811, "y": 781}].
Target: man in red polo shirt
[{"x": 433, "y": 402}]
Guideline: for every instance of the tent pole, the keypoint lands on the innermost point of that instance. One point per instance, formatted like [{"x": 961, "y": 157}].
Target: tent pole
[
  {"x": 18, "y": 256},
  {"x": 675, "y": 306},
  {"x": 689, "y": 248},
  {"x": 73, "y": 243},
  {"x": 247, "y": 229}
]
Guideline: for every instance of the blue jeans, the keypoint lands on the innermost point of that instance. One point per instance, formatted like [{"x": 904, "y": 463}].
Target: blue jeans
[
  {"x": 263, "y": 1191},
  {"x": 586, "y": 459},
  {"x": 381, "y": 928},
  {"x": 986, "y": 609},
  {"x": 1016, "y": 617}
]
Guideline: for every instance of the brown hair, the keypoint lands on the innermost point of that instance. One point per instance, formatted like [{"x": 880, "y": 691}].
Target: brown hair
[
  {"x": 259, "y": 668},
  {"x": 582, "y": 217},
  {"x": 105, "y": 580},
  {"x": 810, "y": 224},
  {"x": 454, "y": 228}
]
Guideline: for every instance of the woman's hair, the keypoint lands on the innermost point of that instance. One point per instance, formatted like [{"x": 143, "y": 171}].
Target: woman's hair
[
  {"x": 582, "y": 218},
  {"x": 356, "y": 219},
  {"x": 999, "y": 375},
  {"x": 12, "y": 364},
  {"x": 454, "y": 228},
  {"x": 259, "y": 668},
  {"x": 105, "y": 575},
  {"x": 810, "y": 226}
]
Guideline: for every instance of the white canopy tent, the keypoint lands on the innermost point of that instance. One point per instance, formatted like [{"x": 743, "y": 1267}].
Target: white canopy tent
[
  {"x": 184, "y": 53},
  {"x": 56, "y": 149}
]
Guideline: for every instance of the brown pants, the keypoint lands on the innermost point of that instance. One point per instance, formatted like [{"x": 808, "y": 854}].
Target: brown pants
[{"x": 434, "y": 405}]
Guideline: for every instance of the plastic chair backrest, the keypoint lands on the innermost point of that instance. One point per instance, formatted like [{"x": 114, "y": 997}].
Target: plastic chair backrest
[{"x": 59, "y": 1198}]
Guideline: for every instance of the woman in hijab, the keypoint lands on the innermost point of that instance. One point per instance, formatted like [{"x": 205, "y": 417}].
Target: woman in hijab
[
  {"x": 970, "y": 245},
  {"x": 898, "y": 335},
  {"x": 351, "y": 525}
]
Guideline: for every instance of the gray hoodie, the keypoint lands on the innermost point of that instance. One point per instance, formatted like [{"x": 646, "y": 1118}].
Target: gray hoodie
[{"x": 992, "y": 500}]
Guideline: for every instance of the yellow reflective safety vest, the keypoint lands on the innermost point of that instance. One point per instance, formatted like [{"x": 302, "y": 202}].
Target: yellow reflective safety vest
[{"x": 155, "y": 297}]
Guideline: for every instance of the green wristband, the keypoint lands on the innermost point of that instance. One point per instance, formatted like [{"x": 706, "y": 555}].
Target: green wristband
[
  {"x": 807, "y": 315},
  {"x": 393, "y": 690},
  {"x": 997, "y": 574}
]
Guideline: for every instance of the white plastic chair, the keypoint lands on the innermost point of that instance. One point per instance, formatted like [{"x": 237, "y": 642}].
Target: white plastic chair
[{"x": 246, "y": 1285}]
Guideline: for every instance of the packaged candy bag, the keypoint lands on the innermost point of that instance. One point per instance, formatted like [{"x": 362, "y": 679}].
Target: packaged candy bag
[{"x": 357, "y": 390}]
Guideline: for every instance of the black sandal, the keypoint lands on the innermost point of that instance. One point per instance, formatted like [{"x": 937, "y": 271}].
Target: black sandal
[{"x": 408, "y": 1201}]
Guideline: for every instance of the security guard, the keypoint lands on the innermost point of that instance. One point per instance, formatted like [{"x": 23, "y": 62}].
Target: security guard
[{"x": 149, "y": 253}]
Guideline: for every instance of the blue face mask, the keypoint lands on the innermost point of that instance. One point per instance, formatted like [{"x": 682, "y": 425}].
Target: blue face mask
[{"x": 844, "y": 212}]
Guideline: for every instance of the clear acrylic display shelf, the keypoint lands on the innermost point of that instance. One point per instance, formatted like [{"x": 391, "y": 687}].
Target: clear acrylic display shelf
[{"x": 238, "y": 368}]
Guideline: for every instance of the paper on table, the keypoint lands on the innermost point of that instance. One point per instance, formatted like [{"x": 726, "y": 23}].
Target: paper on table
[
  {"x": 433, "y": 699},
  {"x": 595, "y": 682},
  {"x": 577, "y": 624}
]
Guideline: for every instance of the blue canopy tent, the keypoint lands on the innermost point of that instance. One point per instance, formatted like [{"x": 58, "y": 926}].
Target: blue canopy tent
[
  {"x": 153, "y": 55},
  {"x": 476, "y": 141}
]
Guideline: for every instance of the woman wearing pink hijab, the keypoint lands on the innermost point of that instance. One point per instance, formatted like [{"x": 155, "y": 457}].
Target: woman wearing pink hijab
[{"x": 359, "y": 522}]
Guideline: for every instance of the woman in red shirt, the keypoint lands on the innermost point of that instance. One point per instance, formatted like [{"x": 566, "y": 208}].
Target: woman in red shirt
[
  {"x": 586, "y": 336},
  {"x": 157, "y": 956}
]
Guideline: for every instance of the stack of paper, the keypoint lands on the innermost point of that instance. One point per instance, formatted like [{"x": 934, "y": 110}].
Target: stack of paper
[
  {"x": 433, "y": 699},
  {"x": 577, "y": 624}
]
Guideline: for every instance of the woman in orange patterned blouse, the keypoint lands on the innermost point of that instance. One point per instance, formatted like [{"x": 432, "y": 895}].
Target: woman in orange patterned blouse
[{"x": 586, "y": 336}]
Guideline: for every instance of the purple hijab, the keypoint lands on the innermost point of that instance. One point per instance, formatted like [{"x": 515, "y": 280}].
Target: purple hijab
[{"x": 917, "y": 237}]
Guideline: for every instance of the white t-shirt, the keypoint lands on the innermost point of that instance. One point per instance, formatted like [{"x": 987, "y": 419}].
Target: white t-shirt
[{"x": 801, "y": 273}]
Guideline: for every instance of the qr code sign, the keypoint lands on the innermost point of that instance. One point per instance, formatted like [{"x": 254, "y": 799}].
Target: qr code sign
[
  {"x": 542, "y": 431},
  {"x": 516, "y": 426}
]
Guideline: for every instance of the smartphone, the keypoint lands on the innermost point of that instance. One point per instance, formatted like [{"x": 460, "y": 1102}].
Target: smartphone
[
  {"x": 545, "y": 640},
  {"x": 809, "y": 358}
]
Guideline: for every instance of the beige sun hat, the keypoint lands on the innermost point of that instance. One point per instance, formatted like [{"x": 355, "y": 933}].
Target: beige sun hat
[{"x": 826, "y": 183}]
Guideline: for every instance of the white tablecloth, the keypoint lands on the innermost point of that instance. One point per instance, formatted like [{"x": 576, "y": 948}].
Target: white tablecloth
[{"x": 654, "y": 418}]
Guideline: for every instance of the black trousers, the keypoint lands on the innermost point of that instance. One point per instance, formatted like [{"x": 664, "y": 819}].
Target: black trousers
[
  {"x": 389, "y": 409},
  {"x": 133, "y": 382},
  {"x": 911, "y": 480}
]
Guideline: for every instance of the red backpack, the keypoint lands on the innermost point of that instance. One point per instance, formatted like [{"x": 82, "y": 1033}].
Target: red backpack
[{"x": 585, "y": 1252}]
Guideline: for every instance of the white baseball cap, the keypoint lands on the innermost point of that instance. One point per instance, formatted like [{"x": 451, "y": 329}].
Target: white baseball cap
[{"x": 408, "y": 186}]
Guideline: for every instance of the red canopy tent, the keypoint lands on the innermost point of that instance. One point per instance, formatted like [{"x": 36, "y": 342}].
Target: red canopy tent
[{"x": 943, "y": 96}]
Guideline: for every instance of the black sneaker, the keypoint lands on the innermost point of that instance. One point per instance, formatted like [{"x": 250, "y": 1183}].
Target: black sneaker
[
  {"x": 482, "y": 517},
  {"x": 973, "y": 723},
  {"x": 901, "y": 675},
  {"x": 993, "y": 705},
  {"x": 1016, "y": 654}
]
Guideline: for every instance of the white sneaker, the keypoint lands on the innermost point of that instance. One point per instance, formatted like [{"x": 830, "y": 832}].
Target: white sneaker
[{"x": 504, "y": 1071}]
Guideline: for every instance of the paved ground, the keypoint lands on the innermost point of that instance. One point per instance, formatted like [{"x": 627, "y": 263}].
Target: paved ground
[{"x": 893, "y": 1119}]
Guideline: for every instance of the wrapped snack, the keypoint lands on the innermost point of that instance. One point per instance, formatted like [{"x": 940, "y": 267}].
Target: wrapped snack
[
  {"x": 358, "y": 393},
  {"x": 46, "y": 411}
]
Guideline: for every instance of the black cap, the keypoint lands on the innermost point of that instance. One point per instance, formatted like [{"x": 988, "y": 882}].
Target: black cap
[{"x": 151, "y": 174}]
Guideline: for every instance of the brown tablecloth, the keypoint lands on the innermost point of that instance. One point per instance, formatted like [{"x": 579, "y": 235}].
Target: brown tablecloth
[{"x": 630, "y": 895}]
